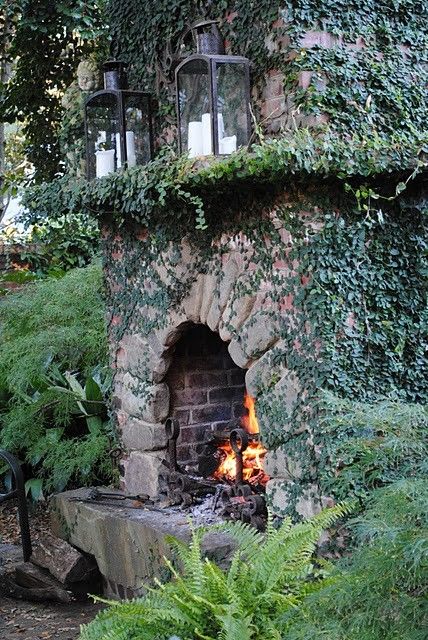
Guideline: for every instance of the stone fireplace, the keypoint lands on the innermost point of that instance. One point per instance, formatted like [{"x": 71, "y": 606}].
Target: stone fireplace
[{"x": 192, "y": 331}]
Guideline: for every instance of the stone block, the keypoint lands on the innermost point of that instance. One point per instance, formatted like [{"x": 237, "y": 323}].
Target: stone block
[
  {"x": 141, "y": 471},
  {"x": 64, "y": 562},
  {"x": 150, "y": 404},
  {"x": 193, "y": 301},
  {"x": 288, "y": 388},
  {"x": 239, "y": 357},
  {"x": 168, "y": 334},
  {"x": 210, "y": 283},
  {"x": 265, "y": 371},
  {"x": 235, "y": 315},
  {"x": 214, "y": 314},
  {"x": 142, "y": 436},
  {"x": 278, "y": 495},
  {"x": 259, "y": 333},
  {"x": 128, "y": 544},
  {"x": 309, "y": 504},
  {"x": 279, "y": 492},
  {"x": 227, "y": 279},
  {"x": 139, "y": 359},
  {"x": 278, "y": 464}
]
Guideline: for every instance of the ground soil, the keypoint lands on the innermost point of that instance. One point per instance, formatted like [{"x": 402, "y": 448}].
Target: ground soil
[{"x": 29, "y": 620}]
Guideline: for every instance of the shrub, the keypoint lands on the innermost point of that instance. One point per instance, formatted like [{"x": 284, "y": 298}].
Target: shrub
[
  {"x": 365, "y": 446},
  {"x": 380, "y": 591},
  {"x": 54, "y": 380}
]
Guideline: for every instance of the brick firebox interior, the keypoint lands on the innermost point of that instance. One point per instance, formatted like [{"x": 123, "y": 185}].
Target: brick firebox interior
[{"x": 207, "y": 389}]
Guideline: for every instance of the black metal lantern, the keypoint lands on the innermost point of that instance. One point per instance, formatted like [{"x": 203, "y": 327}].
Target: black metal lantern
[
  {"x": 118, "y": 125},
  {"x": 213, "y": 97}
]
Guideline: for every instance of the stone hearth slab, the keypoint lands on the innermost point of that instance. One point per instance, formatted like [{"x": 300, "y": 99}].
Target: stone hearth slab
[{"x": 127, "y": 544}]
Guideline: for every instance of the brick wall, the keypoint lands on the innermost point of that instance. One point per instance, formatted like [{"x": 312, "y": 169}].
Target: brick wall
[{"x": 207, "y": 388}]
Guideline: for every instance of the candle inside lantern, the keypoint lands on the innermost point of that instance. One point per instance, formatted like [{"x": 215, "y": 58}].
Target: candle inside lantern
[
  {"x": 194, "y": 140},
  {"x": 118, "y": 151},
  {"x": 130, "y": 149},
  {"x": 227, "y": 145},
  {"x": 104, "y": 162},
  {"x": 220, "y": 126},
  {"x": 207, "y": 146}
]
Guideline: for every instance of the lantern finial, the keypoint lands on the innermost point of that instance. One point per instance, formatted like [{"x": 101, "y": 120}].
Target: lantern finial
[
  {"x": 208, "y": 42},
  {"x": 114, "y": 75}
]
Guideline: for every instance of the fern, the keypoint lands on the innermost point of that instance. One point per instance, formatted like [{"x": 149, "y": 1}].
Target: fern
[{"x": 267, "y": 575}]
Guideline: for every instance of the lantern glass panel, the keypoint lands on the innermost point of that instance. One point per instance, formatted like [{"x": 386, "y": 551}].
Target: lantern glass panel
[
  {"x": 138, "y": 143},
  {"x": 194, "y": 107},
  {"x": 232, "y": 97},
  {"x": 102, "y": 122}
]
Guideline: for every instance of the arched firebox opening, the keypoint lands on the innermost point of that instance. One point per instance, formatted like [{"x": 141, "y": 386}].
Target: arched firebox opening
[{"x": 207, "y": 390}]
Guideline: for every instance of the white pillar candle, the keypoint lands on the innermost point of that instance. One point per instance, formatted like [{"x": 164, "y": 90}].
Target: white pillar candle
[
  {"x": 104, "y": 162},
  {"x": 130, "y": 149},
  {"x": 220, "y": 126},
  {"x": 227, "y": 145},
  {"x": 207, "y": 145},
  {"x": 194, "y": 139},
  {"x": 118, "y": 151}
]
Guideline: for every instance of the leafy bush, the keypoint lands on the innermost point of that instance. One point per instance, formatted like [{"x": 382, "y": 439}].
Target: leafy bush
[
  {"x": 268, "y": 575},
  {"x": 62, "y": 244},
  {"x": 53, "y": 378},
  {"x": 380, "y": 591},
  {"x": 366, "y": 446}
]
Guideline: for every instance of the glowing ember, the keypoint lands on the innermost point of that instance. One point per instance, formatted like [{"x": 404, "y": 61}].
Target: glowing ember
[{"x": 253, "y": 455}]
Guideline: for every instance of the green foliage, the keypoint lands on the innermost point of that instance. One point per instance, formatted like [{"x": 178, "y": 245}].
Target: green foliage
[
  {"x": 367, "y": 301},
  {"x": 53, "y": 378},
  {"x": 268, "y": 575},
  {"x": 365, "y": 446},
  {"x": 16, "y": 165},
  {"x": 380, "y": 591},
  {"x": 177, "y": 189},
  {"x": 47, "y": 41},
  {"x": 62, "y": 244}
]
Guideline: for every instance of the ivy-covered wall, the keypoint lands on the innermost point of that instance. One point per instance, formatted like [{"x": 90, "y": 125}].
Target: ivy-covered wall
[
  {"x": 327, "y": 219},
  {"x": 355, "y": 67},
  {"x": 311, "y": 295}
]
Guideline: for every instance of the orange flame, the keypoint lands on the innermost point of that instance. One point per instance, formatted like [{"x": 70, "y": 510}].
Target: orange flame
[
  {"x": 250, "y": 422},
  {"x": 253, "y": 456}
]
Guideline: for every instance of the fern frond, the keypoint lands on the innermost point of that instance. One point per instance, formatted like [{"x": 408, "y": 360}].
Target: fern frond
[{"x": 246, "y": 536}]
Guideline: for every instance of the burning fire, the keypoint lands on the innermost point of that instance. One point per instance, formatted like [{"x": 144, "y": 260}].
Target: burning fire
[{"x": 252, "y": 456}]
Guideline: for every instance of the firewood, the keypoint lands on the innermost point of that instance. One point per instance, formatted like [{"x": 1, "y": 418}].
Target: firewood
[{"x": 64, "y": 562}]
